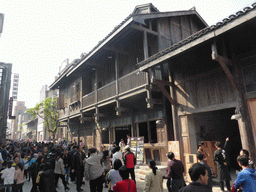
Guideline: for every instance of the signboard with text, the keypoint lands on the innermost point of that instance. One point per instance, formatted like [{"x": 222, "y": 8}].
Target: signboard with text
[{"x": 137, "y": 147}]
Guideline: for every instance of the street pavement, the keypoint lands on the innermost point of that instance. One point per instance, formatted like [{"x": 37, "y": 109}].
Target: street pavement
[{"x": 140, "y": 185}]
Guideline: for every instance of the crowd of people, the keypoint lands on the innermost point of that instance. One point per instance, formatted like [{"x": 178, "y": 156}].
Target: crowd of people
[{"x": 44, "y": 163}]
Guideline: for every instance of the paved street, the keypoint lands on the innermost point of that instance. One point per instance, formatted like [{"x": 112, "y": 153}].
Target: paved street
[{"x": 140, "y": 184}]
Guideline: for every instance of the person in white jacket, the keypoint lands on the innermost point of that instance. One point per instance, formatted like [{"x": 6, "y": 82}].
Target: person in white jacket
[
  {"x": 154, "y": 179},
  {"x": 8, "y": 176}
]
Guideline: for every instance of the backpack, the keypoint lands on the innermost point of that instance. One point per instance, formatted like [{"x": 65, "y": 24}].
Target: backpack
[{"x": 34, "y": 169}]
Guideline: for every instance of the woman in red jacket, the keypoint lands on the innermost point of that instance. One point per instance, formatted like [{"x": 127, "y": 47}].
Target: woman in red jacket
[{"x": 126, "y": 185}]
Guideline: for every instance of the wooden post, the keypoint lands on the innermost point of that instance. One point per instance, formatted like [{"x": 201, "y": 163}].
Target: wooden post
[
  {"x": 245, "y": 127},
  {"x": 117, "y": 71},
  {"x": 117, "y": 87},
  {"x": 175, "y": 117},
  {"x": 145, "y": 44},
  {"x": 96, "y": 85}
]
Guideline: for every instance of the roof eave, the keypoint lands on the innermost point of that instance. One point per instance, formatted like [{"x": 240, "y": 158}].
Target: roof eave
[
  {"x": 101, "y": 45},
  {"x": 196, "y": 41}
]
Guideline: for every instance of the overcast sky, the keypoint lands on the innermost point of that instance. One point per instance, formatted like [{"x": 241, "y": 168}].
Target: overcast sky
[{"x": 38, "y": 35}]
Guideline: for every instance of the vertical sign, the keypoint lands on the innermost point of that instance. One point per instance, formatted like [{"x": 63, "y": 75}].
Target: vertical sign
[{"x": 137, "y": 147}]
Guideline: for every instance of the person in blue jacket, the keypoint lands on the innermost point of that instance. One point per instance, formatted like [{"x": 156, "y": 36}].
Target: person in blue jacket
[{"x": 247, "y": 177}]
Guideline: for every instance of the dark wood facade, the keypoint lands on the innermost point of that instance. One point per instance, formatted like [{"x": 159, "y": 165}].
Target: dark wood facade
[
  {"x": 211, "y": 79},
  {"x": 105, "y": 96}
]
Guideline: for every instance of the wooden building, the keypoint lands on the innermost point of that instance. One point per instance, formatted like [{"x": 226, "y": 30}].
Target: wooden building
[
  {"x": 104, "y": 96},
  {"x": 212, "y": 84}
]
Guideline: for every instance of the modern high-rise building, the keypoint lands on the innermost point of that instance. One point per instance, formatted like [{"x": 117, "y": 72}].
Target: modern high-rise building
[{"x": 19, "y": 109}]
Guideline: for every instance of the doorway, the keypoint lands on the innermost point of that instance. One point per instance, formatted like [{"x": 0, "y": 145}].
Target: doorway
[
  {"x": 217, "y": 126},
  {"x": 122, "y": 132}
]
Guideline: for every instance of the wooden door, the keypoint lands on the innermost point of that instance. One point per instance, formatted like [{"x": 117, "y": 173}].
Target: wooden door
[{"x": 185, "y": 134}]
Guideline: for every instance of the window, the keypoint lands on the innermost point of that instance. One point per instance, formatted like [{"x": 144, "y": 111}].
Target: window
[
  {"x": 143, "y": 131},
  {"x": 152, "y": 127},
  {"x": 250, "y": 78},
  {"x": 105, "y": 137}
]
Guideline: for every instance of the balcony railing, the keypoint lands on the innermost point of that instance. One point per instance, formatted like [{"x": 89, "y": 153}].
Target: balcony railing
[
  {"x": 131, "y": 81},
  {"x": 125, "y": 84},
  {"x": 89, "y": 99},
  {"x": 107, "y": 91}
]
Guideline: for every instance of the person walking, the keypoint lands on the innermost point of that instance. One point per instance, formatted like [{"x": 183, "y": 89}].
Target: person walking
[
  {"x": 70, "y": 154},
  {"x": 114, "y": 175},
  {"x": 59, "y": 170},
  {"x": 8, "y": 176},
  {"x": 200, "y": 158},
  {"x": 106, "y": 162},
  {"x": 222, "y": 167},
  {"x": 19, "y": 178},
  {"x": 47, "y": 179},
  {"x": 153, "y": 179},
  {"x": 175, "y": 170},
  {"x": 199, "y": 176},
  {"x": 121, "y": 144},
  {"x": 67, "y": 164},
  {"x": 247, "y": 177},
  {"x": 34, "y": 172},
  {"x": 78, "y": 167},
  {"x": 126, "y": 185},
  {"x": 117, "y": 155},
  {"x": 130, "y": 162},
  {"x": 94, "y": 170}
]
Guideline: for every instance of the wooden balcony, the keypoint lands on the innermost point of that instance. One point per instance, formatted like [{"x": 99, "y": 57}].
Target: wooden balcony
[
  {"x": 88, "y": 99},
  {"x": 131, "y": 81},
  {"x": 107, "y": 91},
  {"x": 126, "y": 84}
]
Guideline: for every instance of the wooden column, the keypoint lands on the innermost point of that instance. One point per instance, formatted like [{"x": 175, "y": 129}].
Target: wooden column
[
  {"x": 117, "y": 87},
  {"x": 145, "y": 44},
  {"x": 244, "y": 123},
  {"x": 96, "y": 85},
  {"x": 175, "y": 117},
  {"x": 117, "y": 71}
]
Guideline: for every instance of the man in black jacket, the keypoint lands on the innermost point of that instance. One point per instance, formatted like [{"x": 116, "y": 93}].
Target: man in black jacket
[
  {"x": 67, "y": 164},
  {"x": 70, "y": 154},
  {"x": 222, "y": 166},
  {"x": 199, "y": 176},
  {"x": 78, "y": 162}
]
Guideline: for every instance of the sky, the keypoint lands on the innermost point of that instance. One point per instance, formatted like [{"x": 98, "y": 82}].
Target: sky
[{"x": 38, "y": 35}]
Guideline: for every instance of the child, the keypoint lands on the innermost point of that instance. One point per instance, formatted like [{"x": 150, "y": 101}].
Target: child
[
  {"x": 19, "y": 177},
  {"x": 8, "y": 176}
]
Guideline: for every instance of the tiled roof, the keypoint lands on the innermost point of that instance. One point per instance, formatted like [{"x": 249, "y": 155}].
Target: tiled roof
[
  {"x": 198, "y": 35},
  {"x": 113, "y": 31}
]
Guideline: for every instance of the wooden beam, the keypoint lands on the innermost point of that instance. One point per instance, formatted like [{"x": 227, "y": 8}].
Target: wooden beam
[
  {"x": 166, "y": 94},
  {"x": 88, "y": 118},
  {"x": 223, "y": 65},
  {"x": 140, "y": 28},
  {"x": 121, "y": 109},
  {"x": 161, "y": 82},
  {"x": 115, "y": 50},
  {"x": 154, "y": 101}
]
